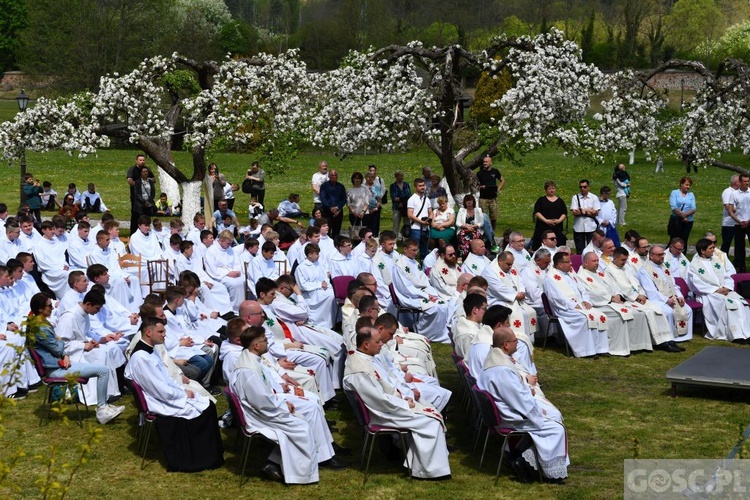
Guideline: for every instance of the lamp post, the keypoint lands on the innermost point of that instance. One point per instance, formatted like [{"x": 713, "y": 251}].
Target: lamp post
[
  {"x": 682, "y": 93},
  {"x": 23, "y": 101}
]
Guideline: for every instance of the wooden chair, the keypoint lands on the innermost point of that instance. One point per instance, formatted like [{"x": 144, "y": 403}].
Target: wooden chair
[
  {"x": 131, "y": 261},
  {"x": 281, "y": 266},
  {"x": 249, "y": 294},
  {"x": 158, "y": 276}
]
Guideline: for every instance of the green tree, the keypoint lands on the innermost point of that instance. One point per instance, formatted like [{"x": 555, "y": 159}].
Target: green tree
[
  {"x": 490, "y": 88},
  {"x": 12, "y": 21},
  {"x": 692, "y": 23}
]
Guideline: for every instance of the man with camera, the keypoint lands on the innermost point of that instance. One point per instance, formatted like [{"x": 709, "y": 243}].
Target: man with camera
[{"x": 419, "y": 212}]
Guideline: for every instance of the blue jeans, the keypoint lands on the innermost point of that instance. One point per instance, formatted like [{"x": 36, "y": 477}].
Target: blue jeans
[
  {"x": 423, "y": 241},
  {"x": 203, "y": 363},
  {"x": 489, "y": 231},
  {"x": 101, "y": 373}
]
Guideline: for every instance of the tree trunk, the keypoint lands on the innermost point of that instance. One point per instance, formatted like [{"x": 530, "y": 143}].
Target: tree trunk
[
  {"x": 168, "y": 185},
  {"x": 191, "y": 201}
]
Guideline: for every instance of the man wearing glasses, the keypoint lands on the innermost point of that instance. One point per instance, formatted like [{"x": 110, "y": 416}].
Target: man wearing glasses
[
  {"x": 549, "y": 242},
  {"x": 585, "y": 208},
  {"x": 516, "y": 246}
]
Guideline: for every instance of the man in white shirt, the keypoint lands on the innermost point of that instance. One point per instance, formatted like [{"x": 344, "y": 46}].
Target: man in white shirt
[
  {"x": 419, "y": 213},
  {"x": 585, "y": 208},
  {"x": 319, "y": 178},
  {"x": 727, "y": 223},
  {"x": 739, "y": 211}
]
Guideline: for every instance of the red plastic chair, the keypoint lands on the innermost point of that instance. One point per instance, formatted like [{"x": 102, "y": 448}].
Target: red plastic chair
[
  {"x": 401, "y": 308},
  {"x": 576, "y": 261},
  {"x": 738, "y": 279},
  {"x": 51, "y": 383},
  {"x": 236, "y": 407},
  {"x": 552, "y": 319}
]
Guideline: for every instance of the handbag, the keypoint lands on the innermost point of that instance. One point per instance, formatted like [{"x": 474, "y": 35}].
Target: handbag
[
  {"x": 406, "y": 230},
  {"x": 356, "y": 228}
]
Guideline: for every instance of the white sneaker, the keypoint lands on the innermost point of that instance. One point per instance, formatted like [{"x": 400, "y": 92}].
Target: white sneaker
[{"x": 106, "y": 413}]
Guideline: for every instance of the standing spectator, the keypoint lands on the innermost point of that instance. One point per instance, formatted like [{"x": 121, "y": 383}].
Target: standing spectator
[
  {"x": 585, "y": 208},
  {"x": 49, "y": 197},
  {"x": 257, "y": 178},
  {"x": 608, "y": 215},
  {"x": 375, "y": 202},
  {"x": 419, "y": 213},
  {"x": 435, "y": 191},
  {"x": 215, "y": 183},
  {"x": 550, "y": 212},
  {"x": 621, "y": 179},
  {"x": 727, "y": 222},
  {"x": 682, "y": 206},
  {"x": 333, "y": 199},
  {"x": 134, "y": 175},
  {"x": 145, "y": 190},
  {"x": 357, "y": 199},
  {"x": 380, "y": 183},
  {"x": 318, "y": 179},
  {"x": 739, "y": 210},
  {"x": 229, "y": 190},
  {"x": 91, "y": 201},
  {"x": 32, "y": 191},
  {"x": 491, "y": 182},
  {"x": 400, "y": 193}
]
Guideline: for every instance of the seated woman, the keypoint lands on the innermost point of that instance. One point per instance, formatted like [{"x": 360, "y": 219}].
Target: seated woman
[
  {"x": 69, "y": 209},
  {"x": 469, "y": 224},
  {"x": 443, "y": 221},
  {"x": 57, "y": 363}
]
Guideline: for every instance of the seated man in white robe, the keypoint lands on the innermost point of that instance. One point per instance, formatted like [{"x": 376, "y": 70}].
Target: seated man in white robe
[
  {"x": 172, "y": 253},
  {"x": 214, "y": 294},
  {"x": 24, "y": 285},
  {"x": 427, "y": 450},
  {"x": 50, "y": 260},
  {"x": 468, "y": 284},
  {"x": 522, "y": 411},
  {"x": 367, "y": 265},
  {"x": 74, "y": 328},
  {"x": 725, "y": 312},
  {"x": 326, "y": 243},
  {"x": 639, "y": 258},
  {"x": 126, "y": 287},
  {"x": 505, "y": 288},
  {"x": 584, "y": 327},
  {"x": 118, "y": 289},
  {"x": 477, "y": 260},
  {"x": 549, "y": 242},
  {"x": 660, "y": 287},
  {"x": 408, "y": 348},
  {"x": 721, "y": 256},
  {"x": 343, "y": 263},
  {"x": 532, "y": 279},
  {"x": 29, "y": 237},
  {"x": 468, "y": 326},
  {"x": 78, "y": 285},
  {"x": 675, "y": 259},
  {"x": 517, "y": 246},
  {"x": 295, "y": 423},
  {"x": 197, "y": 315},
  {"x": 365, "y": 235},
  {"x": 316, "y": 289},
  {"x": 625, "y": 284},
  {"x": 188, "y": 427},
  {"x": 290, "y": 306},
  {"x": 496, "y": 316},
  {"x": 9, "y": 243},
  {"x": 444, "y": 274},
  {"x": 80, "y": 246},
  {"x": 290, "y": 353},
  {"x": 627, "y": 329},
  {"x": 194, "y": 233},
  {"x": 223, "y": 265},
  {"x": 387, "y": 256},
  {"x": 263, "y": 266},
  {"x": 606, "y": 254},
  {"x": 595, "y": 245},
  {"x": 413, "y": 289}
]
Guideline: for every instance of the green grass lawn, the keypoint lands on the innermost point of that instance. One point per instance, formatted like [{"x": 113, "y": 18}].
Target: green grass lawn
[{"x": 607, "y": 404}]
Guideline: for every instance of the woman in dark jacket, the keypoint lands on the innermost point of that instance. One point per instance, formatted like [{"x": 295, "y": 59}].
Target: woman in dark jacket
[{"x": 143, "y": 194}]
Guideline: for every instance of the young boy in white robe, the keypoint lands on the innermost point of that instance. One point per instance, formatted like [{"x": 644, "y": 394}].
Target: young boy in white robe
[
  {"x": 80, "y": 246},
  {"x": 50, "y": 260},
  {"x": 312, "y": 280}
]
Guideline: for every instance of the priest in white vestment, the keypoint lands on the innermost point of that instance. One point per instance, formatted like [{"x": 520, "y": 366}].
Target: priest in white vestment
[
  {"x": 223, "y": 265},
  {"x": 661, "y": 288},
  {"x": 675, "y": 259},
  {"x": 522, "y": 411},
  {"x": 444, "y": 274},
  {"x": 532, "y": 279},
  {"x": 427, "y": 450},
  {"x": 584, "y": 327},
  {"x": 517, "y": 246},
  {"x": 505, "y": 288},
  {"x": 413, "y": 289},
  {"x": 477, "y": 260},
  {"x": 725, "y": 312},
  {"x": 387, "y": 256}
]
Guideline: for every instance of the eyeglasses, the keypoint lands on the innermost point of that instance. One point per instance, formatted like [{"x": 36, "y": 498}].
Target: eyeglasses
[
  {"x": 582, "y": 186},
  {"x": 518, "y": 241},
  {"x": 553, "y": 238}
]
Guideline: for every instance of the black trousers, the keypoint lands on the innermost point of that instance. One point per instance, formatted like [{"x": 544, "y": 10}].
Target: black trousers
[{"x": 740, "y": 233}]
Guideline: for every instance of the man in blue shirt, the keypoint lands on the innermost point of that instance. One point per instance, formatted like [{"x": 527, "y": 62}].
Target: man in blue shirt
[{"x": 333, "y": 199}]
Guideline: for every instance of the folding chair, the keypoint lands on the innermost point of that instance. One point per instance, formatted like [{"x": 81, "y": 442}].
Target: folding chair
[
  {"x": 494, "y": 422},
  {"x": 576, "y": 261},
  {"x": 401, "y": 308},
  {"x": 696, "y": 306},
  {"x": 145, "y": 418},
  {"x": 373, "y": 430},
  {"x": 340, "y": 285},
  {"x": 239, "y": 416},
  {"x": 51, "y": 383},
  {"x": 552, "y": 319}
]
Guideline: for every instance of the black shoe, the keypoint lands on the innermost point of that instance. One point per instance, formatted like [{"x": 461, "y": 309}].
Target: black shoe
[
  {"x": 521, "y": 470},
  {"x": 213, "y": 390},
  {"x": 272, "y": 472},
  {"x": 675, "y": 344},
  {"x": 334, "y": 463},
  {"x": 440, "y": 478},
  {"x": 19, "y": 394},
  {"x": 229, "y": 316},
  {"x": 340, "y": 450},
  {"x": 666, "y": 346},
  {"x": 451, "y": 448},
  {"x": 331, "y": 404},
  {"x": 34, "y": 387},
  {"x": 113, "y": 399}
]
